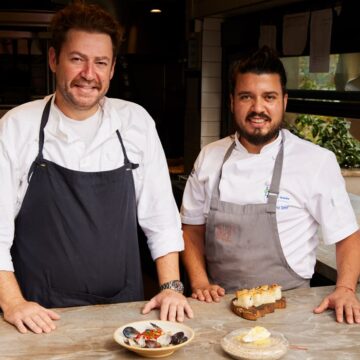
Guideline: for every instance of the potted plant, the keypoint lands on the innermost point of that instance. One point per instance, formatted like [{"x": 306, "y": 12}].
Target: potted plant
[{"x": 333, "y": 133}]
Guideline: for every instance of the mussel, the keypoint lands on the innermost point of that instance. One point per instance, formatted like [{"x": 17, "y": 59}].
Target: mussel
[
  {"x": 178, "y": 338},
  {"x": 130, "y": 332}
]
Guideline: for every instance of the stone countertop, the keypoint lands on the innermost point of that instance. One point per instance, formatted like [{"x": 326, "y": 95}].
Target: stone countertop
[{"x": 87, "y": 332}]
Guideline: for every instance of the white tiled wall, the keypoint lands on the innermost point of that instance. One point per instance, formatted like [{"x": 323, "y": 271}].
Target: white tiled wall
[
  {"x": 210, "y": 100},
  {"x": 209, "y": 84},
  {"x": 211, "y": 80}
]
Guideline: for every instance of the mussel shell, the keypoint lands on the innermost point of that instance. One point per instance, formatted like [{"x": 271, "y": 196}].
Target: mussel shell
[
  {"x": 130, "y": 332},
  {"x": 178, "y": 338}
]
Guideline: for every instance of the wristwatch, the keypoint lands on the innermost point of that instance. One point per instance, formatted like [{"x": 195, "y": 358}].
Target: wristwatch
[{"x": 176, "y": 285}]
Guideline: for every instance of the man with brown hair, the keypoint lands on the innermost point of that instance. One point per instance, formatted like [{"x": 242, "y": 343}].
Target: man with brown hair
[
  {"x": 78, "y": 170},
  {"x": 255, "y": 200}
]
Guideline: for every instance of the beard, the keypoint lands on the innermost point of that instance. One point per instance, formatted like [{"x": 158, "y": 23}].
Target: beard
[{"x": 257, "y": 137}]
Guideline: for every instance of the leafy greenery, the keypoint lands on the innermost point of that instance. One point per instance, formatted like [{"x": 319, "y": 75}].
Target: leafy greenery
[
  {"x": 317, "y": 81},
  {"x": 332, "y": 134}
]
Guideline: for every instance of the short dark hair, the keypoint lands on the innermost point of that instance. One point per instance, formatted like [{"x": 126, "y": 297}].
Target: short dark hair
[
  {"x": 261, "y": 61},
  {"x": 80, "y": 16}
]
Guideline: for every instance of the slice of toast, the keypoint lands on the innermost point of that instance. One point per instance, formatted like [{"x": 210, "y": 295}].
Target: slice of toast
[{"x": 255, "y": 312}]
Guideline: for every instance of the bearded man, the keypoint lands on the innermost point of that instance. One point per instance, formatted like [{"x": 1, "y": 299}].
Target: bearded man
[{"x": 254, "y": 201}]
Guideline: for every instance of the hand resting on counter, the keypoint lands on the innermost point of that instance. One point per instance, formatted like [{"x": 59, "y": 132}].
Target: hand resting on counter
[
  {"x": 208, "y": 292},
  {"x": 26, "y": 315},
  {"x": 173, "y": 306},
  {"x": 344, "y": 302}
]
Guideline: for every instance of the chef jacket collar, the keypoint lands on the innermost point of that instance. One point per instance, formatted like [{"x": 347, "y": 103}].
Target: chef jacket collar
[
  {"x": 273, "y": 146},
  {"x": 109, "y": 123}
]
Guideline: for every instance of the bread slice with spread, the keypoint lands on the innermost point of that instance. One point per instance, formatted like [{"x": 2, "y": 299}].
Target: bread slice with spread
[{"x": 253, "y": 303}]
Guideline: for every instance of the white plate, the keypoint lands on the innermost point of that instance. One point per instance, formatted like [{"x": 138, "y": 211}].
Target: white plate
[
  {"x": 141, "y": 326},
  {"x": 232, "y": 345}
]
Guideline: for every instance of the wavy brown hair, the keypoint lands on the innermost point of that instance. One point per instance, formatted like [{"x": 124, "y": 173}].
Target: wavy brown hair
[{"x": 90, "y": 18}]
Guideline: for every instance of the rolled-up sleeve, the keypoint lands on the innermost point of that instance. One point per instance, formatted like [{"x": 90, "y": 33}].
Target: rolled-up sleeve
[{"x": 158, "y": 214}]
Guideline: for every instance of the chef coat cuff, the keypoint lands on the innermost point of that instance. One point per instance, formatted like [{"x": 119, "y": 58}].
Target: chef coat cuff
[
  {"x": 161, "y": 244},
  {"x": 337, "y": 236},
  {"x": 193, "y": 220},
  {"x": 5, "y": 260}
]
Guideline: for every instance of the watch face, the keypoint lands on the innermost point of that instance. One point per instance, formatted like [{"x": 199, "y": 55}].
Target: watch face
[{"x": 178, "y": 286}]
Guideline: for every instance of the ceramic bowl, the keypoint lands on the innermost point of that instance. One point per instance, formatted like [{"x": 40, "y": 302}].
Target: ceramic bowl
[{"x": 167, "y": 326}]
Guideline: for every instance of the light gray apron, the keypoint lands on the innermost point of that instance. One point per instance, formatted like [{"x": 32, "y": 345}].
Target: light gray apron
[{"x": 242, "y": 246}]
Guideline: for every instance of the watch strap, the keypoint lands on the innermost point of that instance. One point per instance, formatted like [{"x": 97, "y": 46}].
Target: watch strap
[{"x": 175, "y": 285}]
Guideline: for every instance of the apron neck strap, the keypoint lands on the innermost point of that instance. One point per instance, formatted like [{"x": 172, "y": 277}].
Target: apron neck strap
[
  {"x": 226, "y": 157},
  {"x": 44, "y": 120},
  {"x": 39, "y": 159},
  {"x": 127, "y": 162},
  {"x": 216, "y": 191},
  {"x": 276, "y": 177},
  {"x": 126, "y": 159}
]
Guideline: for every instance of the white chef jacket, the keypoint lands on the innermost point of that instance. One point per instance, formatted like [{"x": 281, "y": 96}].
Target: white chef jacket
[
  {"x": 19, "y": 143},
  {"x": 312, "y": 193}
]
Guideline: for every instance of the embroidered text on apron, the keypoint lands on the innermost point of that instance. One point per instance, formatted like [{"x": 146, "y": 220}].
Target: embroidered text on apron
[
  {"x": 242, "y": 244},
  {"x": 76, "y": 234}
]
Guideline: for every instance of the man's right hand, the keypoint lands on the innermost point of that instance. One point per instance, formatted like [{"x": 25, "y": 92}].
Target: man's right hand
[
  {"x": 208, "y": 293},
  {"x": 26, "y": 315}
]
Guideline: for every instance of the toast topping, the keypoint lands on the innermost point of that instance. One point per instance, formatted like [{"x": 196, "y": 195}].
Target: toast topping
[{"x": 265, "y": 294}]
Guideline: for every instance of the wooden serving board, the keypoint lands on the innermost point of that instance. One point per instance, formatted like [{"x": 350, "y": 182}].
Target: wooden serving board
[{"x": 255, "y": 312}]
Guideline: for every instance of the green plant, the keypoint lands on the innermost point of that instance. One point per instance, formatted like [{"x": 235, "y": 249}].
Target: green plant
[{"x": 330, "y": 133}]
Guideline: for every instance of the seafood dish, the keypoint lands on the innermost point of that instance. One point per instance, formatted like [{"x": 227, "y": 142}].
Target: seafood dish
[
  {"x": 257, "y": 302},
  {"x": 152, "y": 337}
]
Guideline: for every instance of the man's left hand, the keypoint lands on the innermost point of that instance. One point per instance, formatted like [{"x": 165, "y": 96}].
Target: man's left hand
[
  {"x": 173, "y": 306},
  {"x": 344, "y": 301}
]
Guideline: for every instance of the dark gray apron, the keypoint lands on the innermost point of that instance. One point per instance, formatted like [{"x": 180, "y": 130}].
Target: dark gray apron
[
  {"x": 242, "y": 244},
  {"x": 76, "y": 234}
]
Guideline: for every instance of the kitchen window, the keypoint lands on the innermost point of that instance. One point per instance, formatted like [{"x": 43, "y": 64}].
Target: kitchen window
[{"x": 335, "y": 93}]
